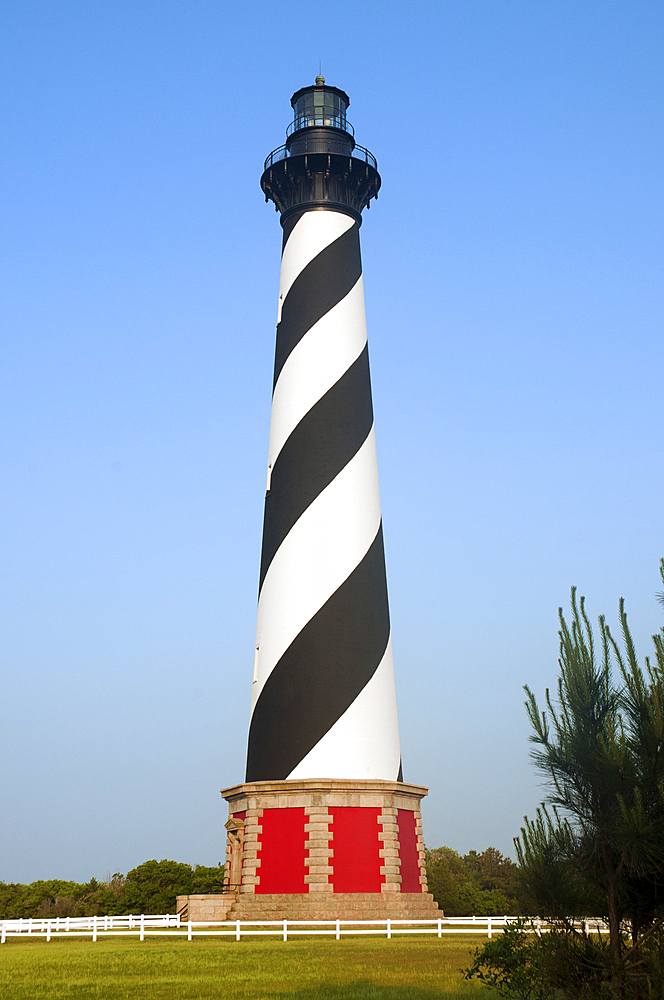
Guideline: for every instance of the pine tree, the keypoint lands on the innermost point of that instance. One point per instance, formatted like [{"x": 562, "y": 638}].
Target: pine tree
[{"x": 599, "y": 849}]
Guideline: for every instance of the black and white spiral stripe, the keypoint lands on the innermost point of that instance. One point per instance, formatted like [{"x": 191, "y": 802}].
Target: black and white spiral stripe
[{"x": 323, "y": 703}]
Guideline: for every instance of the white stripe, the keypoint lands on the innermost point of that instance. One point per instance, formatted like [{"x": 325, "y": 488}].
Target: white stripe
[
  {"x": 311, "y": 233},
  {"x": 364, "y": 742},
  {"x": 320, "y": 551},
  {"x": 319, "y": 360}
]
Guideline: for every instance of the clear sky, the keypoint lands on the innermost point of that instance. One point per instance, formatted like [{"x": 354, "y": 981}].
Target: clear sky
[{"x": 513, "y": 275}]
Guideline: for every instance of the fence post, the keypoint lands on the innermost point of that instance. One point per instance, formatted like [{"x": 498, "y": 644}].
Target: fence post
[
  {"x": 94, "y": 928},
  {"x": 142, "y": 934},
  {"x": 4, "y": 933},
  {"x": 237, "y": 930},
  {"x": 285, "y": 930},
  {"x": 440, "y": 927},
  {"x": 189, "y": 930},
  {"x": 338, "y": 935},
  {"x": 488, "y": 927},
  {"x": 388, "y": 924},
  {"x": 30, "y": 926},
  {"x": 48, "y": 930}
]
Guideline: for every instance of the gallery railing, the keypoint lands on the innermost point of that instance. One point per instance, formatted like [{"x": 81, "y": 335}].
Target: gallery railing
[{"x": 282, "y": 153}]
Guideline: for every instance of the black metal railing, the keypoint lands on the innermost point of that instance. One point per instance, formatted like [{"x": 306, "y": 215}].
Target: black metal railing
[
  {"x": 320, "y": 120},
  {"x": 228, "y": 888},
  {"x": 282, "y": 153}
]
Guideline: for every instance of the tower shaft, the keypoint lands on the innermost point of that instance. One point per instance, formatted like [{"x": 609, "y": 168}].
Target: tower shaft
[{"x": 323, "y": 699}]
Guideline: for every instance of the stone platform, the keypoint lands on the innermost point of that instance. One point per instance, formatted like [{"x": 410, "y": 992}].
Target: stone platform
[{"x": 310, "y": 906}]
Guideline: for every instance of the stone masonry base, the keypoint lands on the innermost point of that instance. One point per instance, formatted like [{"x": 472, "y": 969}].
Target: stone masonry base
[{"x": 321, "y": 850}]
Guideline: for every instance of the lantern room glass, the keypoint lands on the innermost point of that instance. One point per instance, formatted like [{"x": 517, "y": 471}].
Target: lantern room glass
[{"x": 320, "y": 107}]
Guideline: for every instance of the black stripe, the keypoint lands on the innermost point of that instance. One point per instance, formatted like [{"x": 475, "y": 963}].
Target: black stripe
[
  {"x": 288, "y": 228},
  {"x": 326, "y": 280},
  {"x": 321, "y": 445},
  {"x": 322, "y": 672}
]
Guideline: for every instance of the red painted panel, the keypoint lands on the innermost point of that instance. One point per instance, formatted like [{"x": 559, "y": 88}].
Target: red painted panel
[
  {"x": 410, "y": 861},
  {"x": 282, "y": 851},
  {"x": 242, "y": 815},
  {"x": 355, "y": 844}
]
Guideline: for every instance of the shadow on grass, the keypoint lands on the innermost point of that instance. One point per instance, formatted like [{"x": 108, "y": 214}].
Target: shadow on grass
[{"x": 361, "y": 990}]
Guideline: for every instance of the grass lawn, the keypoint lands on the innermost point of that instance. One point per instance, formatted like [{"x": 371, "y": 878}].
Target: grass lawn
[{"x": 410, "y": 968}]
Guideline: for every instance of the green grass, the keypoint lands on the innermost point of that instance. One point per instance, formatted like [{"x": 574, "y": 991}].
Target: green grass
[{"x": 410, "y": 968}]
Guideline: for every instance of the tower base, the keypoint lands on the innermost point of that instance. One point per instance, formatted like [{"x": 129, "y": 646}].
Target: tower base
[{"x": 325, "y": 849}]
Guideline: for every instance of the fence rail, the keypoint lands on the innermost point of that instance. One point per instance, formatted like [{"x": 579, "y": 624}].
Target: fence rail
[{"x": 169, "y": 924}]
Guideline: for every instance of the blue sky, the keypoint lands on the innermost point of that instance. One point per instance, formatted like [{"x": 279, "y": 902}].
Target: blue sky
[{"x": 513, "y": 276}]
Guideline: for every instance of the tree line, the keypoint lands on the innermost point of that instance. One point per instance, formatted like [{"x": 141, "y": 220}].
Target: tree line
[
  {"x": 482, "y": 884},
  {"x": 149, "y": 888}
]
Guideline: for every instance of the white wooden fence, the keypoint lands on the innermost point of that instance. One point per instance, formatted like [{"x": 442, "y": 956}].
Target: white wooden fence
[
  {"x": 51, "y": 926},
  {"x": 170, "y": 924}
]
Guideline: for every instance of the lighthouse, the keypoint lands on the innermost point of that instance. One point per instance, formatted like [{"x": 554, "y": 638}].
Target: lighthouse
[
  {"x": 323, "y": 698},
  {"x": 323, "y": 825}
]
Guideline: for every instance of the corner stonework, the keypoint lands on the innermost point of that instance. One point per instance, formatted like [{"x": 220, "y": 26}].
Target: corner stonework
[
  {"x": 252, "y": 845},
  {"x": 421, "y": 850},
  {"x": 317, "y": 848},
  {"x": 389, "y": 836}
]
